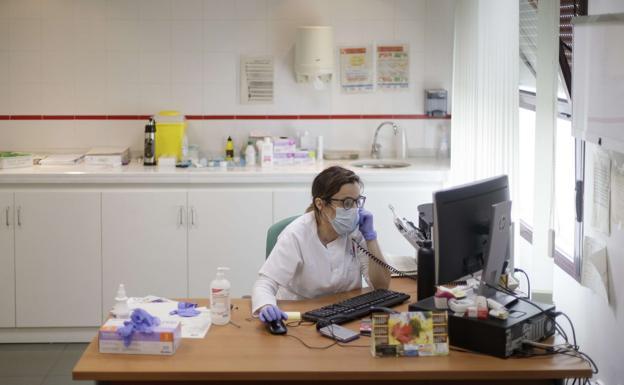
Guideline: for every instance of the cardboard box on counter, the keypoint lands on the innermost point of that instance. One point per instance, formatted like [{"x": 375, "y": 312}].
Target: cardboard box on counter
[{"x": 163, "y": 341}]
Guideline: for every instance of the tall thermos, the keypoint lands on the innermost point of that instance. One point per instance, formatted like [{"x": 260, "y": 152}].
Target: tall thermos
[
  {"x": 426, "y": 271},
  {"x": 149, "y": 150}
]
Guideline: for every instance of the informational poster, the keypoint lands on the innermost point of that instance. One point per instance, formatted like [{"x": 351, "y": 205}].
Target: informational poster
[
  {"x": 256, "y": 80},
  {"x": 601, "y": 192},
  {"x": 356, "y": 69},
  {"x": 392, "y": 66}
]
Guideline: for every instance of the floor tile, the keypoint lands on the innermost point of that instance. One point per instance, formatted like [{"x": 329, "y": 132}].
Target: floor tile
[
  {"x": 31, "y": 347},
  {"x": 64, "y": 380},
  {"x": 17, "y": 363},
  {"x": 21, "y": 380},
  {"x": 67, "y": 360}
]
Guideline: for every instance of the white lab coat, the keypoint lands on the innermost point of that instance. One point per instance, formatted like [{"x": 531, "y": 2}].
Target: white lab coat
[{"x": 301, "y": 267}]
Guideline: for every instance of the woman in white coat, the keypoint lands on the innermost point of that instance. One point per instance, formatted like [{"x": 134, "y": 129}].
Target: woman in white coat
[{"x": 316, "y": 254}]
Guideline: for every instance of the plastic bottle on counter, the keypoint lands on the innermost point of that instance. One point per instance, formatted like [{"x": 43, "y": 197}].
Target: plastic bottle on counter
[
  {"x": 149, "y": 149},
  {"x": 319, "y": 148},
  {"x": 250, "y": 154},
  {"x": 121, "y": 310},
  {"x": 229, "y": 149},
  {"x": 220, "y": 298},
  {"x": 266, "y": 152}
]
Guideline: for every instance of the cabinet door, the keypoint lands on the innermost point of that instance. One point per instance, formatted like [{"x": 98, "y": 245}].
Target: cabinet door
[
  {"x": 144, "y": 244},
  {"x": 288, "y": 202},
  {"x": 405, "y": 201},
  {"x": 57, "y": 259},
  {"x": 7, "y": 262},
  {"x": 227, "y": 228}
]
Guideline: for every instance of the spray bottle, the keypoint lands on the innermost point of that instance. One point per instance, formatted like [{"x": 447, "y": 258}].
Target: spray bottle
[{"x": 220, "y": 298}]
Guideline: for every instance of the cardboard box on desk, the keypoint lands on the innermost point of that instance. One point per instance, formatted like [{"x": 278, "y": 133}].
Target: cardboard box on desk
[{"x": 163, "y": 341}]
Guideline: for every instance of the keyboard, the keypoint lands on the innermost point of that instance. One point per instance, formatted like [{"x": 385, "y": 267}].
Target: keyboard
[{"x": 355, "y": 307}]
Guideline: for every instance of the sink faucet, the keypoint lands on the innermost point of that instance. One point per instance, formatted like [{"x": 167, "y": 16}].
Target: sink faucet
[{"x": 402, "y": 153}]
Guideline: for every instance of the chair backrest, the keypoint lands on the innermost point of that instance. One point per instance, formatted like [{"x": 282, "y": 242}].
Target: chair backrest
[{"x": 274, "y": 231}]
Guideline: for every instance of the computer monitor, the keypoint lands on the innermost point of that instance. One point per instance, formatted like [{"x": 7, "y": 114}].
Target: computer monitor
[{"x": 461, "y": 226}]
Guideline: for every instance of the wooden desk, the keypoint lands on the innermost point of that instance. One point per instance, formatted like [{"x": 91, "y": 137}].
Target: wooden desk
[{"x": 251, "y": 354}]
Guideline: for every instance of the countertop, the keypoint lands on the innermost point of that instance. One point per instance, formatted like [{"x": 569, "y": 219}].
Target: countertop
[{"x": 425, "y": 169}]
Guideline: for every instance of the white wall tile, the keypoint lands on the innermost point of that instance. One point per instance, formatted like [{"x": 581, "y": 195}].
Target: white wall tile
[
  {"x": 411, "y": 32},
  {"x": 25, "y": 34},
  {"x": 5, "y": 108},
  {"x": 251, "y": 9},
  {"x": 219, "y": 99},
  {"x": 58, "y": 9},
  {"x": 187, "y": 67},
  {"x": 4, "y": 34},
  {"x": 155, "y": 67},
  {"x": 187, "y": 10},
  {"x": 91, "y": 9},
  {"x": 123, "y": 67},
  {"x": 187, "y": 98},
  {"x": 187, "y": 35},
  {"x": 90, "y": 35},
  {"x": 91, "y": 66},
  {"x": 123, "y": 9},
  {"x": 155, "y": 36},
  {"x": 155, "y": 9},
  {"x": 91, "y": 98},
  {"x": 58, "y": 35},
  {"x": 123, "y": 35},
  {"x": 356, "y": 32},
  {"x": 252, "y": 37},
  {"x": 281, "y": 36},
  {"x": 304, "y": 12},
  {"x": 25, "y": 67},
  {"x": 25, "y": 8},
  {"x": 363, "y": 9},
  {"x": 219, "y": 9},
  {"x": 123, "y": 98},
  {"x": 154, "y": 98},
  {"x": 410, "y": 9},
  {"x": 221, "y": 67},
  {"x": 25, "y": 98},
  {"x": 5, "y": 9},
  {"x": 220, "y": 36},
  {"x": 439, "y": 10},
  {"x": 4, "y": 67},
  {"x": 58, "y": 66},
  {"x": 57, "y": 98}
]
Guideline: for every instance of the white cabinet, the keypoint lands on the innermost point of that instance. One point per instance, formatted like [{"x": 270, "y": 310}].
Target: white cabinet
[
  {"x": 144, "y": 243},
  {"x": 288, "y": 202},
  {"x": 405, "y": 201},
  {"x": 57, "y": 258},
  {"x": 227, "y": 227},
  {"x": 7, "y": 261}
]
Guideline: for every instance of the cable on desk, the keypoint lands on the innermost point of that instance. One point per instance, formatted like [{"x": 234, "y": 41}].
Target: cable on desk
[
  {"x": 310, "y": 346},
  {"x": 527, "y": 279}
]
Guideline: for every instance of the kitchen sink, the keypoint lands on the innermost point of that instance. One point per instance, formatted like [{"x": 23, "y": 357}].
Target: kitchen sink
[{"x": 381, "y": 164}]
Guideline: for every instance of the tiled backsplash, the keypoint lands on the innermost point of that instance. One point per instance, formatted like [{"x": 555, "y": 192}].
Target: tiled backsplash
[{"x": 136, "y": 57}]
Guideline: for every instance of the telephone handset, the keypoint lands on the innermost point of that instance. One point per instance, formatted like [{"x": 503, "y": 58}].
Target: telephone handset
[{"x": 406, "y": 274}]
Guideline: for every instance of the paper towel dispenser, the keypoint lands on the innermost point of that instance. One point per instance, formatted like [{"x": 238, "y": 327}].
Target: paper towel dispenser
[{"x": 314, "y": 55}]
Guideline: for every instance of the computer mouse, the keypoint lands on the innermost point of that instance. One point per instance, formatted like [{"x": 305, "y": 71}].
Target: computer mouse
[{"x": 276, "y": 327}]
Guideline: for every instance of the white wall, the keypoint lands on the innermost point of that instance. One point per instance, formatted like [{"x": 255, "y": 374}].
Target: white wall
[
  {"x": 66, "y": 57},
  {"x": 598, "y": 324}
]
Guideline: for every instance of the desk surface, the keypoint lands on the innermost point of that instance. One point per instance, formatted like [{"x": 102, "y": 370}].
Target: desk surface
[{"x": 250, "y": 353}]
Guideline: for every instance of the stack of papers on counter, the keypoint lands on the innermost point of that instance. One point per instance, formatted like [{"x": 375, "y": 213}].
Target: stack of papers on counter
[
  {"x": 108, "y": 156},
  {"x": 61, "y": 159}
]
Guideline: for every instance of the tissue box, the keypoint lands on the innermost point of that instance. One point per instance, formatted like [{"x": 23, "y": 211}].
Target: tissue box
[{"x": 163, "y": 341}]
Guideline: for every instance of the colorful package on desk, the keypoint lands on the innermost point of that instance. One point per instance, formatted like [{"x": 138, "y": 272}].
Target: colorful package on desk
[
  {"x": 417, "y": 333},
  {"x": 164, "y": 340}
]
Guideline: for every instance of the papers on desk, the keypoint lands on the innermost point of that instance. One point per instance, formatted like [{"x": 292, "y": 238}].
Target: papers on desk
[
  {"x": 61, "y": 159},
  {"x": 192, "y": 327}
]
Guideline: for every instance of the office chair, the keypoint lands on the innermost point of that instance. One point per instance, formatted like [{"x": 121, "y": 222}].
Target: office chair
[{"x": 274, "y": 231}]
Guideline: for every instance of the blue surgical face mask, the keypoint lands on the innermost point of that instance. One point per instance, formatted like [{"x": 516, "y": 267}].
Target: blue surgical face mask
[{"x": 346, "y": 221}]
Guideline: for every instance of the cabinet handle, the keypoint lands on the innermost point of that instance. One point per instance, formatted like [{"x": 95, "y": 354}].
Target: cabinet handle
[
  {"x": 192, "y": 216},
  {"x": 19, "y": 216},
  {"x": 6, "y": 212},
  {"x": 181, "y": 216}
]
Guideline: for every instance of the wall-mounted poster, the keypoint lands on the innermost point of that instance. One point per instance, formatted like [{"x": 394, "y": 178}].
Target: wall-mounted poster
[
  {"x": 256, "y": 80},
  {"x": 393, "y": 66},
  {"x": 356, "y": 69}
]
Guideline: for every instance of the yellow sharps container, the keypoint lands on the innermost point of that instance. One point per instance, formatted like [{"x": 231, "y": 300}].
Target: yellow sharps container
[{"x": 170, "y": 131}]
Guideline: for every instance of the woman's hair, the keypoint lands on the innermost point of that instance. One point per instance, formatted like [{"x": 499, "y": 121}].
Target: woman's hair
[{"x": 328, "y": 182}]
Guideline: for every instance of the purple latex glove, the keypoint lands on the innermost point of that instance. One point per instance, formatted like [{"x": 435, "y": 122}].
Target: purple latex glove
[
  {"x": 271, "y": 313},
  {"x": 140, "y": 321},
  {"x": 186, "y": 309},
  {"x": 366, "y": 225}
]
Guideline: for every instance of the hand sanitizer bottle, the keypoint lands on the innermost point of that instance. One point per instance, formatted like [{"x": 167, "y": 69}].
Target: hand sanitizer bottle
[
  {"x": 220, "y": 298},
  {"x": 121, "y": 309}
]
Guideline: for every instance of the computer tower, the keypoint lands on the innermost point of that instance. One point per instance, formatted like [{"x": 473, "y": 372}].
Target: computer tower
[{"x": 501, "y": 338}]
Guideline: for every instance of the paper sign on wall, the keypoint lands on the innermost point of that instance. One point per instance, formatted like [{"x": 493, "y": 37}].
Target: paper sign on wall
[
  {"x": 392, "y": 66},
  {"x": 256, "y": 80},
  {"x": 356, "y": 69},
  {"x": 601, "y": 201}
]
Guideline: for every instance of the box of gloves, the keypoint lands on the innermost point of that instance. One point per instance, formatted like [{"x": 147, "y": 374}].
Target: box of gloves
[{"x": 130, "y": 337}]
